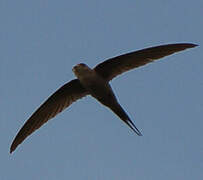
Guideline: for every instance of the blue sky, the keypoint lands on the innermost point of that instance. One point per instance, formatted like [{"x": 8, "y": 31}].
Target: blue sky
[{"x": 41, "y": 41}]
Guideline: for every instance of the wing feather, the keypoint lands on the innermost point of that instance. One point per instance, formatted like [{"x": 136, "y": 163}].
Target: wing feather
[
  {"x": 120, "y": 64},
  {"x": 56, "y": 103}
]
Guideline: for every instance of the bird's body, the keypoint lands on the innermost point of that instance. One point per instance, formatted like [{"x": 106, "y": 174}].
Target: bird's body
[
  {"x": 101, "y": 90},
  {"x": 98, "y": 87},
  {"x": 95, "y": 82}
]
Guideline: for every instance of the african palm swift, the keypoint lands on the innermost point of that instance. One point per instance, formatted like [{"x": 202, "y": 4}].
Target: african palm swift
[{"x": 95, "y": 82}]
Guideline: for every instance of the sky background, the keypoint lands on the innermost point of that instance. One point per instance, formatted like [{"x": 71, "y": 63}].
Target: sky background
[{"x": 40, "y": 42}]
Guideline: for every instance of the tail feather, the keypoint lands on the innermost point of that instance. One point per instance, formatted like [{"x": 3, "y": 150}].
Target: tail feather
[{"x": 119, "y": 111}]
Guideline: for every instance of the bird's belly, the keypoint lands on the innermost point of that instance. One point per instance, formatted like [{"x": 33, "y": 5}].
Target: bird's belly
[
  {"x": 98, "y": 88},
  {"x": 102, "y": 92}
]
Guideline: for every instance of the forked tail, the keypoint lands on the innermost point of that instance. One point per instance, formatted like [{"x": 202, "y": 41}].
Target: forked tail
[{"x": 124, "y": 117}]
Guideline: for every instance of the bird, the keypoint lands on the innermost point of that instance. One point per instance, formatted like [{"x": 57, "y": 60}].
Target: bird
[{"x": 96, "y": 83}]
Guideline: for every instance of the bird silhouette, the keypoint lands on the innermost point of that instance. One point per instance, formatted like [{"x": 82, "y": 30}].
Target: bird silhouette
[{"x": 95, "y": 82}]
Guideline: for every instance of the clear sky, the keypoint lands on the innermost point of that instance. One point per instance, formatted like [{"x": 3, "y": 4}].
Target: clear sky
[{"x": 40, "y": 42}]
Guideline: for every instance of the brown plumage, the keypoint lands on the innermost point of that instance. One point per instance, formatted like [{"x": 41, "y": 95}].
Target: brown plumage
[{"x": 95, "y": 82}]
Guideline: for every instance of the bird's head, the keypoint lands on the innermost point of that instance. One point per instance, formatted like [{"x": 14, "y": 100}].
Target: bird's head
[{"x": 81, "y": 70}]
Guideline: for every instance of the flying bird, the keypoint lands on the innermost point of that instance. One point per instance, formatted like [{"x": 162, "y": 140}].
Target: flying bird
[{"x": 95, "y": 82}]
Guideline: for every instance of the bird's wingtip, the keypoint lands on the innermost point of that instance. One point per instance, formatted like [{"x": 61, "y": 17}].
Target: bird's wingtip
[
  {"x": 194, "y": 45},
  {"x": 189, "y": 45},
  {"x": 11, "y": 150}
]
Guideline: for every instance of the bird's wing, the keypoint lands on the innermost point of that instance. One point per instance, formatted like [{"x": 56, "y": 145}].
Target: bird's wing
[
  {"x": 56, "y": 103},
  {"x": 120, "y": 64}
]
